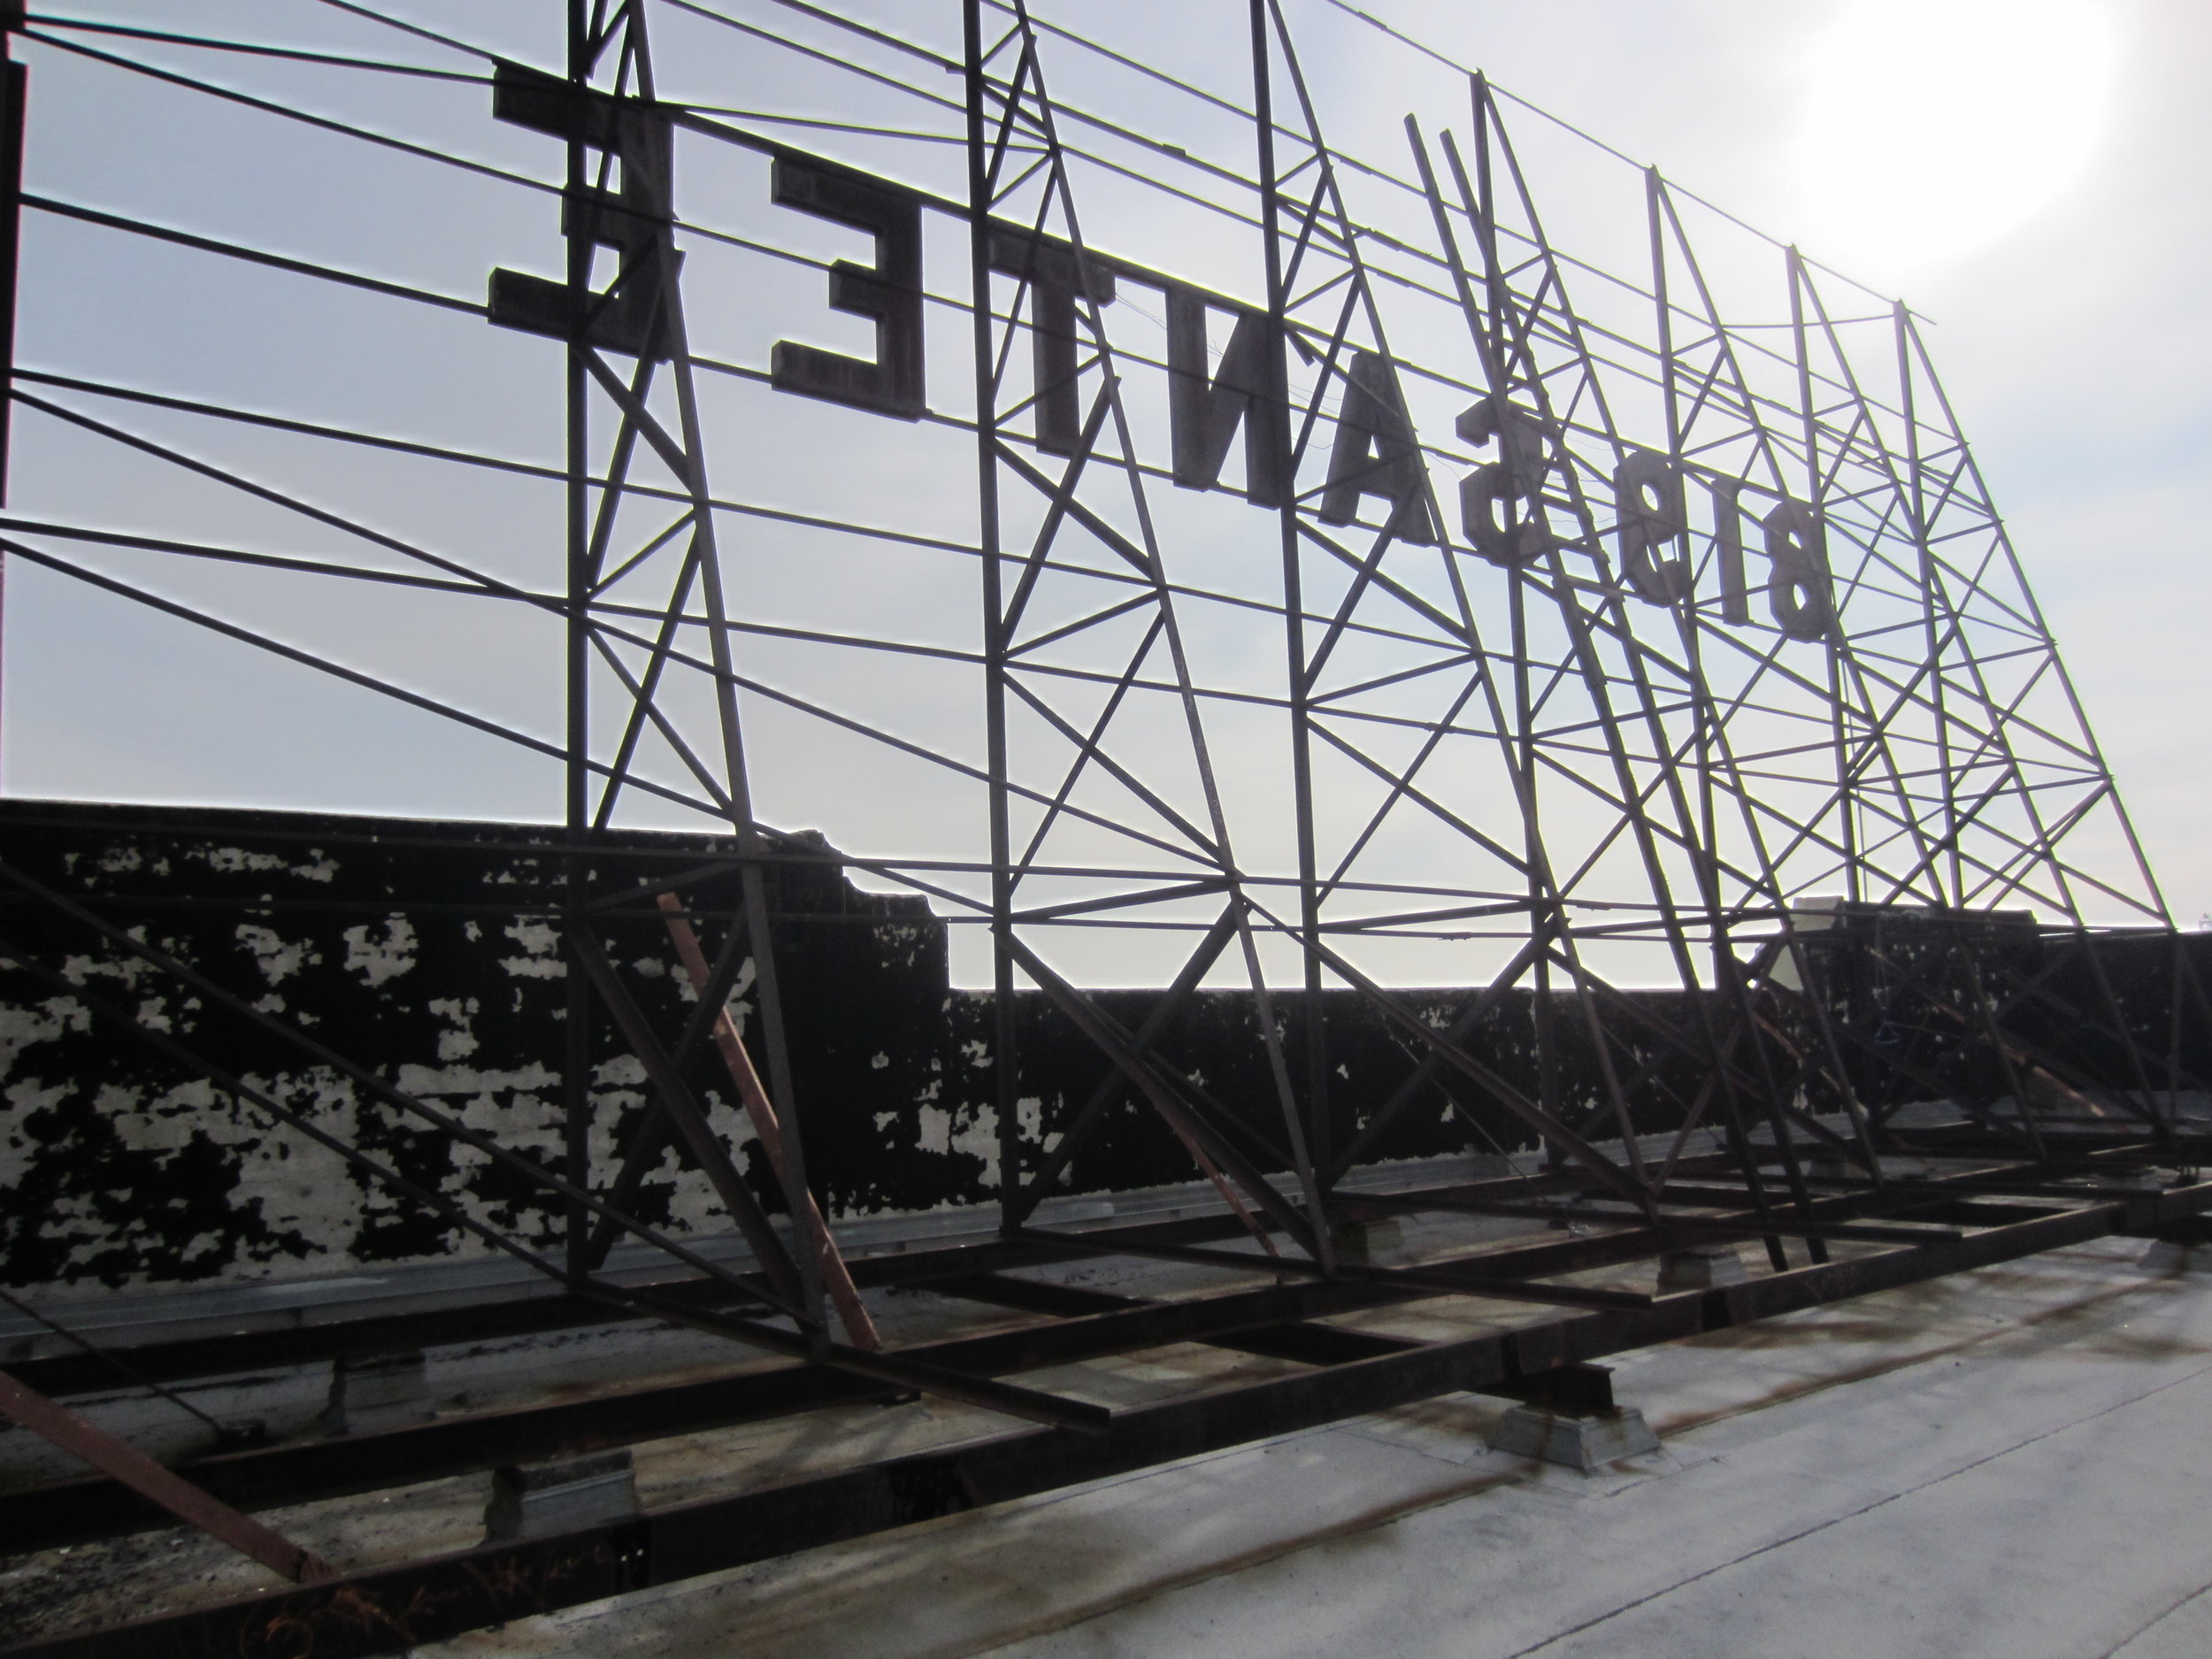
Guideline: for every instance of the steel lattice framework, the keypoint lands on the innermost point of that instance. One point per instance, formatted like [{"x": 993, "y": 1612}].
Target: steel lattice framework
[{"x": 1372, "y": 592}]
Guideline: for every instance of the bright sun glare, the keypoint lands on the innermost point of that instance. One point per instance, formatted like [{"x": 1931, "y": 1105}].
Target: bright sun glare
[{"x": 1934, "y": 127}]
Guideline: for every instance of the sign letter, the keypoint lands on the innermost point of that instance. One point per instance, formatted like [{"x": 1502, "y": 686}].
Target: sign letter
[
  {"x": 627, "y": 316},
  {"x": 1375, "y": 454},
  {"x": 1050, "y": 270},
  {"x": 1797, "y": 544},
  {"x": 1203, "y": 413},
  {"x": 890, "y": 291},
  {"x": 1648, "y": 501},
  {"x": 1735, "y": 594},
  {"x": 1514, "y": 481}
]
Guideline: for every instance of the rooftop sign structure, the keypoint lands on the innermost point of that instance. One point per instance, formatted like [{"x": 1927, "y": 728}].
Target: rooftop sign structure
[
  {"x": 1195, "y": 547},
  {"x": 1195, "y": 552}
]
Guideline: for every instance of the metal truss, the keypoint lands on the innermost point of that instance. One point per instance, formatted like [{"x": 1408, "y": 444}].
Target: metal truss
[{"x": 1625, "y": 642}]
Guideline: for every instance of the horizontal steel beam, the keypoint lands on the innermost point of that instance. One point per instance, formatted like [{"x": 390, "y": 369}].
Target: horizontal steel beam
[
  {"x": 223, "y": 1354},
  {"x": 1735, "y": 1227},
  {"x": 390, "y": 1609},
  {"x": 1265, "y": 1322}
]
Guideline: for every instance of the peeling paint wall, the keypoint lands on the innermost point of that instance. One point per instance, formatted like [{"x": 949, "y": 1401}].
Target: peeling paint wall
[{"x": 431, "y": 955}]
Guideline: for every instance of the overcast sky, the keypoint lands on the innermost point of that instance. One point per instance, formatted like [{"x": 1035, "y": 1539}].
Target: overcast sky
[
  {"x": 2036, "y": 177},
  {"x": 2030, "y": 174}
]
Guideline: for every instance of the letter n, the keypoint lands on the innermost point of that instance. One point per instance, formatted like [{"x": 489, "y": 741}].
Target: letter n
[{"x": 1203, "y": 413}]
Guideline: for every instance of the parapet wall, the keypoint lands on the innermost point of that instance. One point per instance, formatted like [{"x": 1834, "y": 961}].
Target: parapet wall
[{"x": 430, "y": 954}]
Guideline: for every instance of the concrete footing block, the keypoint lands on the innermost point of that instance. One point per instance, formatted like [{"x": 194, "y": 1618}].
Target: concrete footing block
[
  {"x": 1364, "y": 1243},
  {"x": 1574, "y": 1440},
  {"x": 533, "y": 1500},
  {"x": 374, "y": 1391},
  {"x": 1700, "y": 1267},
  {"x": 2167, "y": 1257},
  {"x": 2140, "y": 1181}
]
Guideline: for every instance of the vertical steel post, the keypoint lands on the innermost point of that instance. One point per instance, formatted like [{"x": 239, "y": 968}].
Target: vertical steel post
[
  {"x": 751, "y": 844},
  {"x": 1321, "y": 1129},
  {"x": 1917, "y": 504},
  {"x": 576, "y": 1036},
  {"x": 1543, "y": 924},
  {"x": 1004, "y": 1029},
  {"x": 1728, "y": 988},
  {"x": 1853, "y": 876},
  {"x": 14, "y": 87}
]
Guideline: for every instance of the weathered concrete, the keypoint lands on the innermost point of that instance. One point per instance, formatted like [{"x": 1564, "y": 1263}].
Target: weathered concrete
[
  {"x": 535, "y": 1500},
  {"x": 1700, "y": 1267},
  {"x": 1368, "y": 1243},
  {"x": 375, "y": 1392},
  {"x": 1574, "y": 1439},
  {"x": 2008, "y": 1462},
  {"x": 2005, "y": 1465},
  {"x": 2166, "y": 1256}
]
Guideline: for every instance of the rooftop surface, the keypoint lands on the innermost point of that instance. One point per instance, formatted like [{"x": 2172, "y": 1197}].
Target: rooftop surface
[
  {"x": 2012, "y": 1462},
  {"x": 2008, "y": 1462}
]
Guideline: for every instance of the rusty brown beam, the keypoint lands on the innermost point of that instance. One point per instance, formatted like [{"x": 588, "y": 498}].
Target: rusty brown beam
[
  {"x": 837, "y": 1278},
  {"x": 124, "y": 1462}
]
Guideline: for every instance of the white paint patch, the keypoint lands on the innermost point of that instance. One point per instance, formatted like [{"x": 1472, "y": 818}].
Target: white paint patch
[
  {"x": 459, "y": 1041},
  {"x": 234, "y": 860},
  {"x": 736, "y": 1123},
  {"x": 979, "y": 1139},
  {"x": 126, "y": 971},
  {"x": 322, "y": 866},
  {"x": 521, "y": 1121},
  {"x": 167, "y": 1122},
  {"x": 880, "y": 1062},
  {"x": 624, "y": 1071},
  {"x": 936, "y": 1130},
  {"x": 278, "y": 959},
  {"x": 542, "y": 944},
  {"x": 738, "y": 1010},
  {"x": 432, "y": 1081},
  {"x": 32, "y": 1093},
  {"x": 694, "y": 1208},
  {"x": 295, "y": 1185},
  {"x": 379, "y": 960},
  {"x": 43, "y": 1022},
  {"x": 608, "y": 1109}
]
